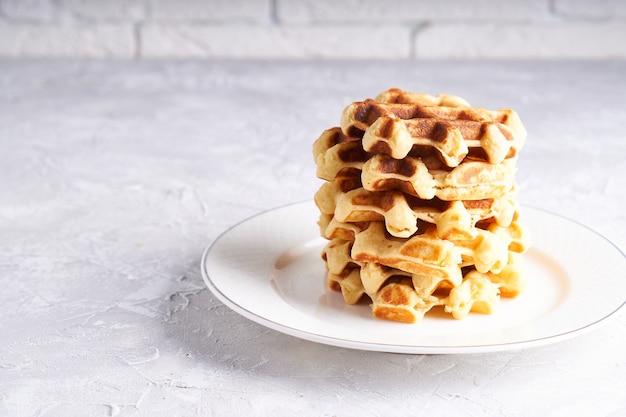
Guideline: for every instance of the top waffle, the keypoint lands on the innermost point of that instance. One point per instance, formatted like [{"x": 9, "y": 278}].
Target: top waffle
[{"x": 408, "y": 122}]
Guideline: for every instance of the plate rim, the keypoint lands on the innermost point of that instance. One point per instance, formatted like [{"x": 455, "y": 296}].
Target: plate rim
[{"x": 395, "y": 348}]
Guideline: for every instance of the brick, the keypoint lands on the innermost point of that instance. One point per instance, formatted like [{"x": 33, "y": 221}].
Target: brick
[
  {"x": 243, "y": 41},
  {"x": 306, "y": 11},
  {"x": 213, "y": 10},
  {"x": 593, "y": 9},
  {"x": 28, "y": 10},
  {"x": 539, "y": 40},
  {"x": 93, "y": 41},
  {"x": 107, "y": 10}
]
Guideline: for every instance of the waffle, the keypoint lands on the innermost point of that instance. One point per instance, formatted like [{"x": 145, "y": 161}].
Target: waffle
[
  {"x": 469, "y": 181},
  {"x": 455, "y": 132},
  {"x": 453, "y": 219},
  {"x": 398, "y": 301},
  {"x": 335, "y": 156},
  {"x": 419, "y": 205},
  {"x": 401, "y": 296},
  {"x": 510, "y": 280},
  {"x": 343, "y": 274},
  {"x": 422, "y": 254},
  {"x": 427, "y": 254},
  {"x": 422, "y": 177}
]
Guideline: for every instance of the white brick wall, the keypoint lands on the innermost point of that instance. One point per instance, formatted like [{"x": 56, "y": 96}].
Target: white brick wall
[
  {"x": 560, "y": 39},
  {"x": 310, "y": 29},
  {"x": 407, "y": 11},
  {"x": 241, "y": 41}
]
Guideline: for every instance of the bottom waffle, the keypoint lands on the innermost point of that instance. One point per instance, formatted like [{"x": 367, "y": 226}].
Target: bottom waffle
[{"x": 398, "y": 295}]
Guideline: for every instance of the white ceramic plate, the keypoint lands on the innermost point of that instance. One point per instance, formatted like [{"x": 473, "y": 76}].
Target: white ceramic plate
[{"x": 268, "y": 269}]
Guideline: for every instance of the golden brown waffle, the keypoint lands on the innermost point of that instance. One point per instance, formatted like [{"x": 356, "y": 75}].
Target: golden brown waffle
[
  {"x": 401, "y": 296},
  {"x": 473, "y": 180},
  {"x": 452, "y": 139},
  {"x": 343, "y": 274},
  {"x": 426, "y": 254},
  {"x": 422, "y": 256},
  {"x": 398, "y": 301},
  {"x": 400, "y": 212},
  {"x": 511, "y": 280},
  {"x": 397, "y": 128},
  {"x": 422, "y": 177},
  {"x": 476, "y": 293},
  {"x": 335, "y": 157}
]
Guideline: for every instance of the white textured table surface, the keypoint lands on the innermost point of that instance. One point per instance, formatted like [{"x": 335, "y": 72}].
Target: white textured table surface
[{"x": 115, "y": 176}]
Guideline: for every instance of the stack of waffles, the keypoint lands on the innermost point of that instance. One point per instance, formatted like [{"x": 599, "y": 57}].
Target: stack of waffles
[{"x": 419, "y": 205}]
